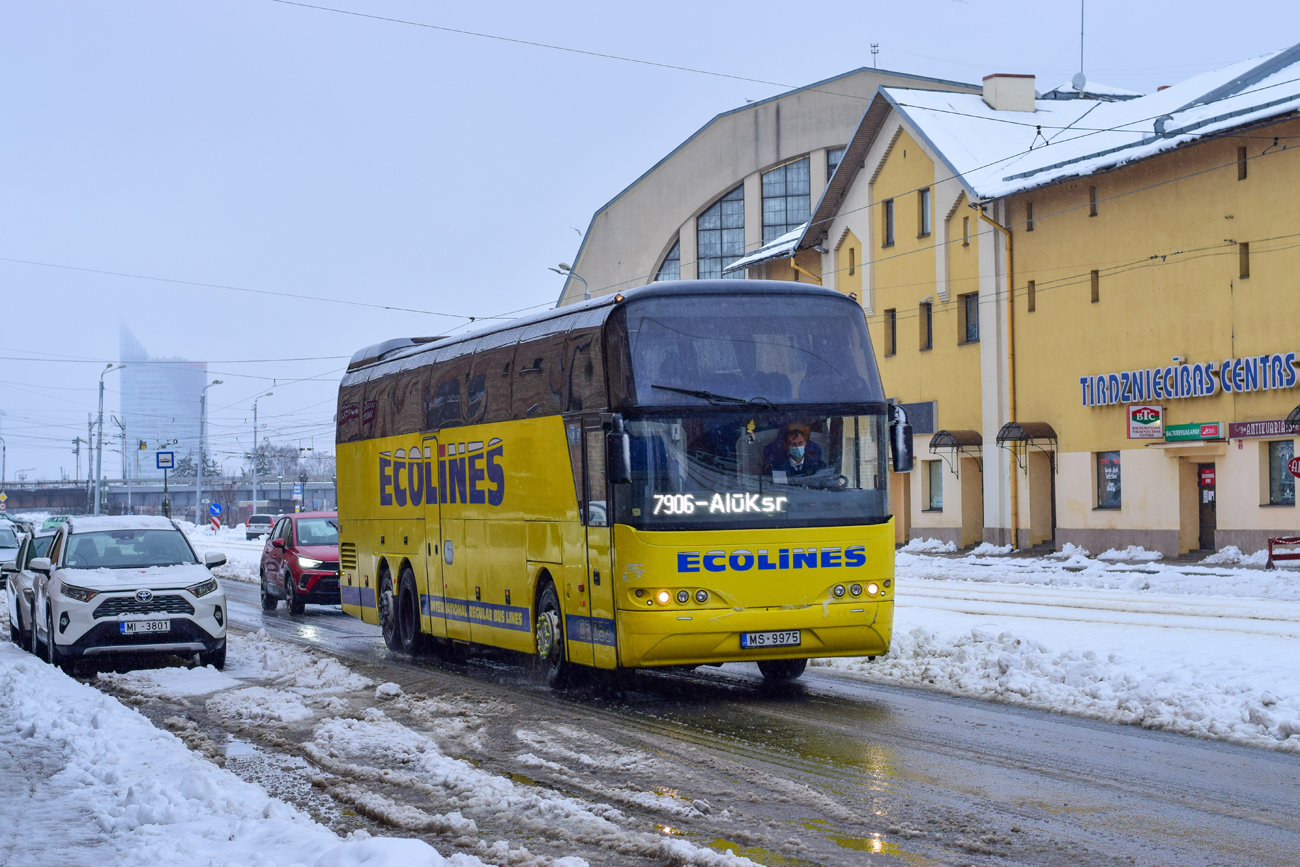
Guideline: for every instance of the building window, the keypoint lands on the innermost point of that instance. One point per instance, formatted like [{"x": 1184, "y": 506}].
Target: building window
[
  {"x": 927, "y": 325},
  {"x": 923, "y": 206},
  {"x": 969, "y": 314},
  {"x": 1029, "y": 216},
  {"x": 785, "y": 199},
  {"x": 720, "y": 234},
  {"x": 888, "y": 206},
  {"x": 1281, "y": 484},
  {"x": 1031, "y": 296},
  {"x": 671, "y": 269},
  {"x": 934, "y": 486},
  {"x": 1241, "y": 164},
  {"x": 1108, "y": 480},
  {"x": 853, "y": 261},
  {"x": 1092, "y": 201},
  {"x": 833, "y": 157},
  {"x": 965, "y": 231},
  {"x": 891, "y": 332},
  {"x": 1096, "y": 286},
  {"x": 1243, "y": 255}
]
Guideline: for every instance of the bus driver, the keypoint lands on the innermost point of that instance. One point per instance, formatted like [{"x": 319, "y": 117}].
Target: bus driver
[{"x": 801, "y": 457}]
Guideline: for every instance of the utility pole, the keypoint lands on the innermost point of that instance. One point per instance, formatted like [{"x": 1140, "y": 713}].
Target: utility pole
[
  {"x": 4, "y": 462},
  {"x": 198, "y": 485},
  {"x": 256, "y": 442},
  {"x": 99, "y": 447}
]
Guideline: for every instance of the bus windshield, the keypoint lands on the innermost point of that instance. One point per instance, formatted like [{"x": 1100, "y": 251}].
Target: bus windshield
[
  {"x": 736, "y": 468},
  {"x": 773, "y": 349}
]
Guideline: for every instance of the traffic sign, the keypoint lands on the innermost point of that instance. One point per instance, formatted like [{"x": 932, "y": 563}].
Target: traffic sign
[
  {"x": 297, "y": 493},
  {"x": 166, "y": 460},
  {"x": 214, "y": 510},
  {"x": 1294, "y": 466},
  {"x": 3, "y": 506},
  {"x": 3, "y": 496}
]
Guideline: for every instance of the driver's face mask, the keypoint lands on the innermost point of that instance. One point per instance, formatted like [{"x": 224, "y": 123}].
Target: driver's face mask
[{"x": 796, "y": 452}]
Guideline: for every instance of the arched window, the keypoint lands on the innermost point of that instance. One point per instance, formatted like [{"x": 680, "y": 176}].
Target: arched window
[
  {"x": 671, "y": 269},
  {"x": 785, "y": 199},
  {"x": 720, "y": 234}
]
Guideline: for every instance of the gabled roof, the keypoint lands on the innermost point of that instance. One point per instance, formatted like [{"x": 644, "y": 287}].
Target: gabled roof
[{"x": 998, "y": 153}]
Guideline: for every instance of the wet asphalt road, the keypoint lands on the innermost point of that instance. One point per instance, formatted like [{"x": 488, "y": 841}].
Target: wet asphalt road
[{"x": 833, "y": 771}]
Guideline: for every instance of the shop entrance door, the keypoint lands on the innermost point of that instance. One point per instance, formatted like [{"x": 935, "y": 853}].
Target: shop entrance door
[{"x": 1205, "y": 487}]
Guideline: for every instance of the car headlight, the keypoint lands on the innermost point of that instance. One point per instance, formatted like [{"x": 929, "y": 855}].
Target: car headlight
[
  {"x": 81, "y": 594},
  {"x": 309, "y": 563},
  {"x": 203, "y": 588}
]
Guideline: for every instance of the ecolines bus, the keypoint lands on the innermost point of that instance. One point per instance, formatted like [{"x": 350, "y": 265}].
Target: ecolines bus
[{"x": 682, "y": 474}]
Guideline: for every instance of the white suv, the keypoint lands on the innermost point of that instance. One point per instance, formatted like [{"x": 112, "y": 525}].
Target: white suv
[{"x": 129, "y": 584}]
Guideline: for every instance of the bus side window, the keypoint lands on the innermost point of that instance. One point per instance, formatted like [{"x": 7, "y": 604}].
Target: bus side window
[
  {"x": 489, "y": 386},
  {"x": 377, "y": 411},
  {"x": 538, "y": 377},
  {"x": 595, "y": 461},
  {"x": 444, "y": 404},
  {"x": 586, "y": 385},
  {"x": 573, "y": 433},
  {"x": 349, "y": 421},
  {"x": 408, "y": 401}
]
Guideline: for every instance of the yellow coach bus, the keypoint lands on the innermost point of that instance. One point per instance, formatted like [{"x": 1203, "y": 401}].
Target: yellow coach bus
[{"x": 683, "y": 474}]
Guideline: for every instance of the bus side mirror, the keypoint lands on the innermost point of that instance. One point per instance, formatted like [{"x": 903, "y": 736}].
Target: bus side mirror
[
  {"x": 900, "y": 442},
  {"x": 618, "y": 448}
]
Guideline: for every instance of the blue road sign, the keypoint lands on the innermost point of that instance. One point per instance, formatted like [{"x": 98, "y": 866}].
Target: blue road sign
[
  {"x": 166, "y": 460},
  {"x": 215, "y": 510}
]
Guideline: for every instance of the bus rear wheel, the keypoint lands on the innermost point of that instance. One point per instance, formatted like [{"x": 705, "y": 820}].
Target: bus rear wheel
[
  {"x": 408, "y": 614},
  {"x": 782, "y": 670},
  {"x": 550, "y": 639},
  {"x": 388, "y": 612}
]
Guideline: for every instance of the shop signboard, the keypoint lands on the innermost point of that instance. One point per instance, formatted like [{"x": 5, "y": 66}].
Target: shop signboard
[
  {"x": 1146, "y": 421},
  {"x": 1197, "y": 430},
  {"x": 1294, "y": 466},
  {"x": 1274, "y": 427},
  {"x": 1207, "y": 477}
]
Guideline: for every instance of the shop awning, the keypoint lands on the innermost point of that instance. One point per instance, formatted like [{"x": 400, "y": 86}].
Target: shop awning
[
  {"x": 1293, "y": 420},
  {"x": 1026, "y": 433},
  {"x": 958, "y": 442}
]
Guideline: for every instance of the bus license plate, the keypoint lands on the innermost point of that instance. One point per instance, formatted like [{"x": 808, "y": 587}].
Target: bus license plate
[
  {"x": 143, "y": 627},
  {"x": 786, "y": 638}
]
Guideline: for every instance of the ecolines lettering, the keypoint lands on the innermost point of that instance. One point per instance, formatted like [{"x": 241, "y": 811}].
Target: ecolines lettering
[
  {"x": 743, "y": 560},
  {"x": 408, "y": 478}
]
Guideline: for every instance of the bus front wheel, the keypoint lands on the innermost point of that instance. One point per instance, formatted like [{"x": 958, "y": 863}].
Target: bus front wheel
[
  {"x": 782, "y": 670},
  {"x": 550, "y": 639},
  {"x": 388, "y": 612},
  {"x": 408, "y": 615}
]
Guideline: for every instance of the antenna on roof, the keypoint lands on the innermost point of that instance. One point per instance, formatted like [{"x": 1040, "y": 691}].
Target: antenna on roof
[
  {"x": 875, "y": 49},
  {"x": 1080, "y": 81}
]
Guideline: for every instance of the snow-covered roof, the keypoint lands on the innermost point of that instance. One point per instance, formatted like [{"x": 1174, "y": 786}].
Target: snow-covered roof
[
  {"x": 997, "y": 153},
  {"x": 1091, "y": 90},
  {"x": 779, "y": 248}
]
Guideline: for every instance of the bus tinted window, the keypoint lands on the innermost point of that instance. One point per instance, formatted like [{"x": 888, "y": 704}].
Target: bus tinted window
[
  {"x": 735, "y": 469},
  {"x": 778, "y": 348}
]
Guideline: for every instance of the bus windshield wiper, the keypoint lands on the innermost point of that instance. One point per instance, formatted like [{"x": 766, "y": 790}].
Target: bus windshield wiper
[{"x": 702, "y": 395}]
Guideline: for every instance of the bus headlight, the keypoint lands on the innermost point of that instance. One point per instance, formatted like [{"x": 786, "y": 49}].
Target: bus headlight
[
  {"x": 683, "y": 596},
  {"x": 663, "y": 597},
  {"x": 838, "y": 591},
  {"x": 872, "y": 589},
  {"x": 856, "y": 589},
  {"x": 701, "y": 596}
]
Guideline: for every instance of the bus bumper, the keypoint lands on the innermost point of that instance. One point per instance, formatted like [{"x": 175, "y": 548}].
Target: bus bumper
[{"x": 654, "y": 638}]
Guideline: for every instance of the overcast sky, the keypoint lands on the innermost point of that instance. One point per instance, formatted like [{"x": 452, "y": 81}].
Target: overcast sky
[{"x": 272, "y": 147}]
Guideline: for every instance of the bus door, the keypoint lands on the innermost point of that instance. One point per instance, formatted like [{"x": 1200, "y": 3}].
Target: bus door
[
  {"x": 599, "y": 554},
  {"x": 431, "y": 604}
]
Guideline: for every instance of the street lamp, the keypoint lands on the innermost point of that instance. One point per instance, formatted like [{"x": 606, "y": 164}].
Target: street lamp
[
  {"x": 255, "y": 442},
  {"x": 198, "y": 484},
  {"x": 566, "y": 270},
  {"x": 279, "y": 492},
  {"x": 99, "y": 439},
  {"x": 4, "y": 461}
]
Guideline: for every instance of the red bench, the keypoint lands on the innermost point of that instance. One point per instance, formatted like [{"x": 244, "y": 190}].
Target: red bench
[{"x": 1282, "y": 541}]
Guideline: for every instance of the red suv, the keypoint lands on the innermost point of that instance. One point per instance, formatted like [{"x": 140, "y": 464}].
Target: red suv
[{"x": 300, "y": 562}]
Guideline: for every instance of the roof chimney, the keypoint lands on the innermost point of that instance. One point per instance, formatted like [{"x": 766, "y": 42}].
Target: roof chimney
[{"x": 1006, "y": 92}]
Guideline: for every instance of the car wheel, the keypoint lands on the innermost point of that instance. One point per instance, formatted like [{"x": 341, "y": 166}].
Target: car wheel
[
  {"x": 388, "y": 613},
  {"x": 550, "y": 639},
  {"x": 408, "y": 614},
  {"x": 269, "y": 602},
  {"x": 216, "y": 659},
  {"x": 782, "y": 670},
  {"x": 296, "y": 605},
  {"x": 51, "y": 652}
]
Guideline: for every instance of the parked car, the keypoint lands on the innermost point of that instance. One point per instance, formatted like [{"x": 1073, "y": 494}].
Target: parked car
[
  {"x": 258, "y": 526},
  {"x": 53, "y": 522},
  {"x": 10, "y": 540},
  {"x": 17, "y": 524},
  {"x": 127, "y": 585},
  {"x": 20, "y": 586},
  {"x": 300, "y": 562}
]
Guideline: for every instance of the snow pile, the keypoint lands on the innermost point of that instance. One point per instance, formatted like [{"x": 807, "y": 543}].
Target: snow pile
[
  {"x": 1068, "y": 551},
  {"x": 1002, "y": 666},
  {"x": 988, "y": 549},
  {"x": 1131, "y": 554},
  {"x": 88, "y": 780},
  {"x": 290, "y": 666},
  {"x": 1233, "y": 556},
  {"x": 928, "y": 546}
]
